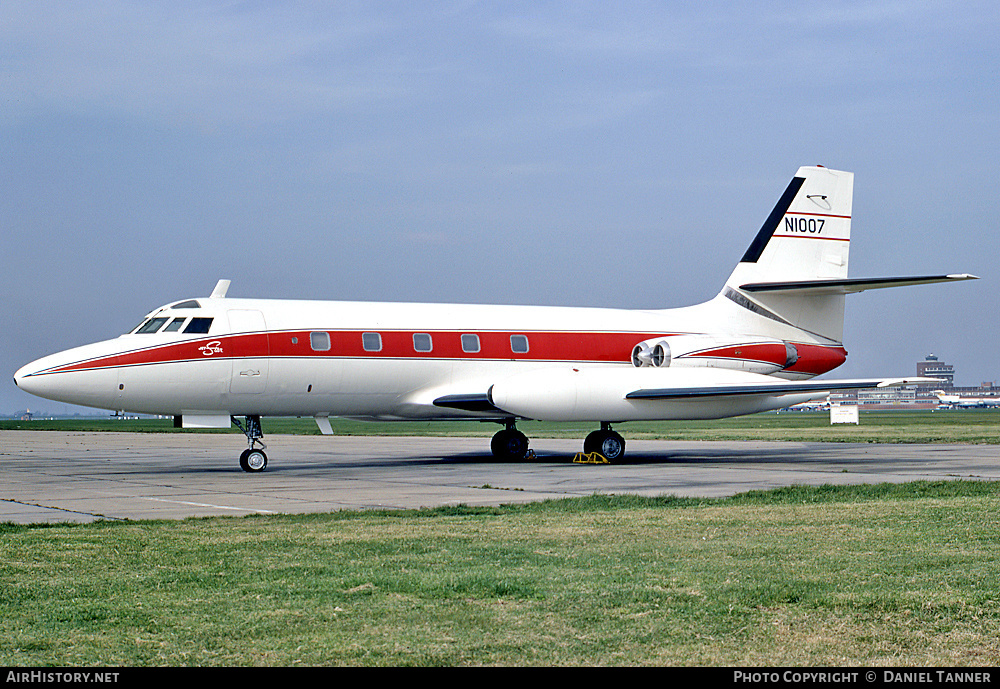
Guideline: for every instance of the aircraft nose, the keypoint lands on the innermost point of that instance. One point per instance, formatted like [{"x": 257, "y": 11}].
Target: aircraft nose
[
  {"x": 66, "y": 377},
  {"x": 23, "y": 378},
  {"x": 35, "y": 378},
  {"x": 20, "y": 373}
]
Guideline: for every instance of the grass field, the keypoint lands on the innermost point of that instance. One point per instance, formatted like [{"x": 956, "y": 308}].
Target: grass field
[
  {"x": 848, "y": 576},
  {"x": 889, "y": 575}
]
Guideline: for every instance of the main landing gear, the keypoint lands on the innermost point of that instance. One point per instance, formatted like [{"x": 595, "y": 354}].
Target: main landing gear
[
  {"x": 511, "y": 445},
  {"x": 252, "y": 459},
  {"x": 606, "y": 443}
]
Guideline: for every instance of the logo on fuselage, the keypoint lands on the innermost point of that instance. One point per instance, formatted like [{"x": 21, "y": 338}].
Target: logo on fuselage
[{"x": 210, "y": 348}]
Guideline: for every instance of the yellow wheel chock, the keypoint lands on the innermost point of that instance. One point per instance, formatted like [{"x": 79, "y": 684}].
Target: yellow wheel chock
[{"x": 590, "y": 458}]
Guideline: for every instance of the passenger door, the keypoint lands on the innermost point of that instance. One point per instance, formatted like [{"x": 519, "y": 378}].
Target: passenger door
[{"x": 250, "y": 351}]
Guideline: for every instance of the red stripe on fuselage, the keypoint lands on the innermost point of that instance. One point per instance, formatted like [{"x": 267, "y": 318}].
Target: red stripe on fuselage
[
  {"x": 493, "y": 345},
  {"x": 764, "y": 352},
  {"x": 542, "y": 346},
  {"x": 226, "y": 346},
  {"x": 598, "y": 347}
]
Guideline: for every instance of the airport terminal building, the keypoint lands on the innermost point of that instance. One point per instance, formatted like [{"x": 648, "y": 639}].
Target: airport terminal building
[{"x": 919, "y": 396}]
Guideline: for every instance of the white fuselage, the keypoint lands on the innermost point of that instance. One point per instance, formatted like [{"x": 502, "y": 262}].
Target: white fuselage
[{"x": 389, "y": 360}]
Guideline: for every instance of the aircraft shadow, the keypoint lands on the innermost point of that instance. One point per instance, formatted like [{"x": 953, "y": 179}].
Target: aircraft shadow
[{"x": 279, "y": 463}]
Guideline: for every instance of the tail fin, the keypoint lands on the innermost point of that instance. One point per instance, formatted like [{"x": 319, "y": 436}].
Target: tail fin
[{"x": 804, "y": 239}]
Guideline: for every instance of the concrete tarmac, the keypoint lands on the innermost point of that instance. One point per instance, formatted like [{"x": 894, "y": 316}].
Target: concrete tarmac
[{"x": 49, "y": 476}]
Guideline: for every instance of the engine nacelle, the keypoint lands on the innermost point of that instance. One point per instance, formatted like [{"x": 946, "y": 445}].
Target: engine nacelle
[
  {"x": 756, "y": 355},
  {"x": 651, "y": 353},
  {"x": 600, "y": 393}
]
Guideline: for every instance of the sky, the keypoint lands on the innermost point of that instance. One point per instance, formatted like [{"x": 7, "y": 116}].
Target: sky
[{"x": 578, "y": 153}]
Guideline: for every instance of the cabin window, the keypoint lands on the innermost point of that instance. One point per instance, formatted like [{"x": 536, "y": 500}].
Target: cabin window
[
  {"x": 372, "y": 342},
  {"x": 519, "y": 344},
  {"x": 175, "y": 325},
  {"x": 422, "y": 342},
  {"x": 470, "y": 344},
  {"x": 151, "y": 326},
  {"x": 199, "y": 326},
  {"x": 320, "y": 341}
]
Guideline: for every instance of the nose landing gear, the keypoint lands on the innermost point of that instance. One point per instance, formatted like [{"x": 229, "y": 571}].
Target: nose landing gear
[{"x": 252, "y": 460}]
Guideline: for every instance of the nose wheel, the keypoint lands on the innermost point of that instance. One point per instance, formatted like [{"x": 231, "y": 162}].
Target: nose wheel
[{"x": 253, "y": 459}]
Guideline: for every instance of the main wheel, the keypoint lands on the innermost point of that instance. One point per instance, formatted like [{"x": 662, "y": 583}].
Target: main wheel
[
  {"x": 253, "y": 461},
  {"x": 608, "y": 444},
  {"x": 510, "y": 445}
]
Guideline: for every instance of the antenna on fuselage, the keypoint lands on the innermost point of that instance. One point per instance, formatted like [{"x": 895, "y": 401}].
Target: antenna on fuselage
[{"x": 221, "y": 287}]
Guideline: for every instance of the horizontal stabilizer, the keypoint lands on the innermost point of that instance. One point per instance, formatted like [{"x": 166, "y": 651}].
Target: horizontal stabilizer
[
  {"x": 849, "y": 285},
  {"x": 779, "y": 387}
]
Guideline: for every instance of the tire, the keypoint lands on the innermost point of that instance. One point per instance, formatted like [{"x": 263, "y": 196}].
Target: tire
[
  {"x": 253, "y": 461},
  {"x": 608, "y": 444},
  {"x": 510, "y": 446}
]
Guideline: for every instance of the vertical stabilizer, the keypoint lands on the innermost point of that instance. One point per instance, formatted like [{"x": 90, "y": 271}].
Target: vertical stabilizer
[{"x": 806, "y": 237}]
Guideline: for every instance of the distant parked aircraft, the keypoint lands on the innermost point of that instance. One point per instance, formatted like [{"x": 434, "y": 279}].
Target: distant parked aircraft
[{"x": 947, "y": 400}]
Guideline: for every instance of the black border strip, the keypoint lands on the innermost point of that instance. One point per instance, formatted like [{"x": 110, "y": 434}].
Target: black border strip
[{"x": 771, "y": 224}]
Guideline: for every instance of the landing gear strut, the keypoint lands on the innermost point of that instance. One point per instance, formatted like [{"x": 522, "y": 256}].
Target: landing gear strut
[
  {"x": 252, "y": 459},
  {"x": 510, "y": 444},
  {"x": 605, "y": 442}
]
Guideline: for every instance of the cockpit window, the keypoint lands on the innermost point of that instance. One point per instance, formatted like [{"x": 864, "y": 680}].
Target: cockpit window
[
  {"x": 151, "y": 326},
  {"x": 198, "y": 326},
  {"x": 175, "y": 325},
  {"x": 189, "y": 304}
]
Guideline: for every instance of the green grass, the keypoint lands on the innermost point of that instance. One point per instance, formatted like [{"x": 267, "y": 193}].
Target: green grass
[
  {"x": 948, "y": 426},
  {"x": 900, "y": 575}
]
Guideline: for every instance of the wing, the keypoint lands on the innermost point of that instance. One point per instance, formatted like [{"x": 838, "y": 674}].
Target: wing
[
  {"x": 767, "y": 389},
  {"x": 616, "y": 394}
]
